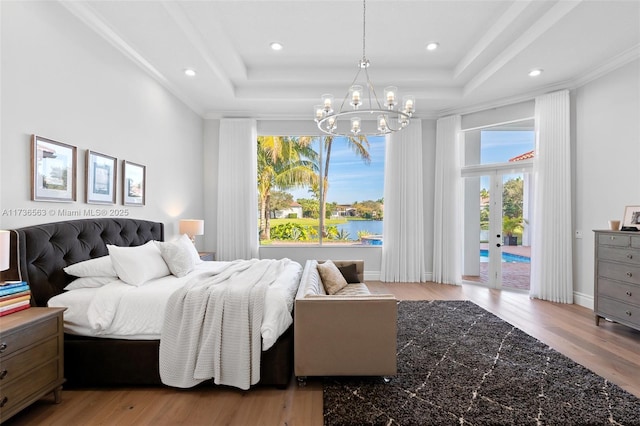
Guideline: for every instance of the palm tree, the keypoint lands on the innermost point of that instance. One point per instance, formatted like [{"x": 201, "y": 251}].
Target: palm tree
[
  {"x": 360, "y": 145},
  {"x": 283, "y": 163}
]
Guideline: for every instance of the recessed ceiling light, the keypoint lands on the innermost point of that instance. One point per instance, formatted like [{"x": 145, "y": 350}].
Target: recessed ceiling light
[
  {"x": 432, "y": 45},
  {"x": 536, "y": 72},
  {"x": 276, "y": 46},
  {"x": 189, "y": 72}
]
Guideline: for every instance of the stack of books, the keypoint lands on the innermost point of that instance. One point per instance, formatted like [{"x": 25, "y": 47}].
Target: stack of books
[{"x": 14, "y": 296}]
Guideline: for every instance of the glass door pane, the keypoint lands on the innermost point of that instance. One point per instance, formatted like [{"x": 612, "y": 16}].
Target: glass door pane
[
  {"x": 516, "y": 248},
  {"x": 476, "y": 230}
]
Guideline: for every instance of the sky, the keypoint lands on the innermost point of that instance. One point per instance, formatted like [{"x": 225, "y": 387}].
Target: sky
[
  {"x": 499, "y": 146},
  {"x": 350, "y": 179}
]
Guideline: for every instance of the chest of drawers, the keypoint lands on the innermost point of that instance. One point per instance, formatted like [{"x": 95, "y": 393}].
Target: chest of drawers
[
  {"x": 31, "y": 358},
  {"x": 617, "y": 277}
]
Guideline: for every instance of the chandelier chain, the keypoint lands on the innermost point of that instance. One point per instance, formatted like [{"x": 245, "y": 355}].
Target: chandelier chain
[{"x": 364, "y": 29}]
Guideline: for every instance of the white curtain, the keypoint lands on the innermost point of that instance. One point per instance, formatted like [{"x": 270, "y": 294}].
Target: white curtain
[
  {"x": 237, "y": 225},
  {"x": 447, "y": 222},
  {"x": 552, "y": 255},
  {"x": 403, "y": 234}
]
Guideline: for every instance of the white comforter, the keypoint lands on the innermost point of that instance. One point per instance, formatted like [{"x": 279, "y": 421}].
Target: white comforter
[
  {"x": 119, "y": 310},
  {"x": 212, "y": 326}
]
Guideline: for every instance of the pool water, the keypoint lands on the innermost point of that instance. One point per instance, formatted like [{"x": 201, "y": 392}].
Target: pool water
[{"x": 506, "y": 257}]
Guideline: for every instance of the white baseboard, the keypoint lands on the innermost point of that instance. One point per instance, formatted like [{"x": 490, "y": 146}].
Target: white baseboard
[{"x": 582, "y": 299}]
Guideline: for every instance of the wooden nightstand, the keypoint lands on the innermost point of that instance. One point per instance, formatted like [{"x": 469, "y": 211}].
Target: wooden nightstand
[
  {"x": 31, "y": 358},
  {"x": 207, "y": 255}
]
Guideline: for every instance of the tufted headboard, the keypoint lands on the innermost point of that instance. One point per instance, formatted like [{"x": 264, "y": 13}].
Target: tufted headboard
[{"x": 43, "y": 250}]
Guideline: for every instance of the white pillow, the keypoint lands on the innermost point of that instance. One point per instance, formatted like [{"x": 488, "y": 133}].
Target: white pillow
[
  {"x": 184, "y": 238},
  {"x": 89, "y": 282},
  {"x": 178, "y": 257},
  {"x": 98, "y": 267},
  {"x": 137, "y": 265}
]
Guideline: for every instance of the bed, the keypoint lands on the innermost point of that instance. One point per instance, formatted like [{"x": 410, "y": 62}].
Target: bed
[{"x": 43, "y": 253}]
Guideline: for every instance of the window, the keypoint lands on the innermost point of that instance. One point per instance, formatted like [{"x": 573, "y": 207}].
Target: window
[
  {"x": 500, "y": 144},
  {"x": 294, "y": 208}
]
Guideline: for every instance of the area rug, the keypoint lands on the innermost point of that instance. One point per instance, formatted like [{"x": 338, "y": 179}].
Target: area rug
[{"x": 459, "y": 364}]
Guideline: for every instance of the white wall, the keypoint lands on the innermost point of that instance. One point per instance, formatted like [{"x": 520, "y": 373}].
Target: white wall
[
  {"x": 606, "y": 136},
  {"x": 62, "y": 81}
]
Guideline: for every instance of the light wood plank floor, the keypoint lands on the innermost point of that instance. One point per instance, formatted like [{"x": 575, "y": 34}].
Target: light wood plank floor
[{"x": 610, "y": 350}]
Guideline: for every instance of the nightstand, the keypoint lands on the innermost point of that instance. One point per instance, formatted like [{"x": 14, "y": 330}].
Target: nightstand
[
  {"x": 207, "y": 255},
  {"x": 31, "y": 358}
]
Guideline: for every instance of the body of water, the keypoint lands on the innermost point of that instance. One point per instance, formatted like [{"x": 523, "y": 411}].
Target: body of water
[
  {"x": 506, "y": 257},
  {"x": 373, "y": 227}
]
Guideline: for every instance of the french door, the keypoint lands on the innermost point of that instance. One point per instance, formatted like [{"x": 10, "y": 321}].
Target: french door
[{"x": 497, "y": 228}]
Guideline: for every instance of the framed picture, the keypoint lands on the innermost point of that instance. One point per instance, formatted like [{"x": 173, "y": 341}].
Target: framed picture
[
  {"x": 53, "y": 170},
  {"x": 134, "y": 185},
  {"x": 100, "y": 178},
  {"x": 631, "y": 217}
]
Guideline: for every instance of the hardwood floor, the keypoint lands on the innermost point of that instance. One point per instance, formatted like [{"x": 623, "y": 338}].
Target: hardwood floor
[{"x": 610, "y": 350}]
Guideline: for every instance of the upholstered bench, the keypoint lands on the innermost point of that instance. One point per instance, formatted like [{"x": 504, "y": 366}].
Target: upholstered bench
[{"x": 349, "y": 333}]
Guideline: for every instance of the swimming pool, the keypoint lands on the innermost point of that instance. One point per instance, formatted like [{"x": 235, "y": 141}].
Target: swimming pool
[{"x": 506, "y": 257}]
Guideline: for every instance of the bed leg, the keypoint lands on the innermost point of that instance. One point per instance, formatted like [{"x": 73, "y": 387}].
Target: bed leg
[{"x": 302, "y": 381}]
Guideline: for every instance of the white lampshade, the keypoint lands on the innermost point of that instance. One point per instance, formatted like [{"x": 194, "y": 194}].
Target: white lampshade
[
  {"x": 5, "y": 249},
  {"x": 192, "y": 227}
]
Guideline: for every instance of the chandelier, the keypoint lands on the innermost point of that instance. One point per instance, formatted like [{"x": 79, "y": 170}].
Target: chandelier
[{"x": 391, "y": 116}]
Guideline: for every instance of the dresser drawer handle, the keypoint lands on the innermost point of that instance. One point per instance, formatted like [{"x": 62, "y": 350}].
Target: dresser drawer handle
[
  {"x": 4, "y": 401},
  {"x": 629, "y": 293},
  {"x": 3, "y": 374},
  {"x": 628, "y": 313},
  {"x": 612, "y": 238},
  {"x": 629, "y": 256},
  {"x": 3, "y": 347},
  {"x": 629, "y": 274}
]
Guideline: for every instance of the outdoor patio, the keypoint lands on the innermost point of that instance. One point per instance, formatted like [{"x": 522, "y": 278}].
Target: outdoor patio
[{"x": 515, "y": 275}]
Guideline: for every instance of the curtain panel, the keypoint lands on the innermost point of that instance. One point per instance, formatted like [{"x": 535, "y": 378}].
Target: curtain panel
[
  {"x": 403, "y": 232},
  {"x": 237, "y": 224},
  {"x": 447, "y": 223},
  {"x": 552, "y": 243}
]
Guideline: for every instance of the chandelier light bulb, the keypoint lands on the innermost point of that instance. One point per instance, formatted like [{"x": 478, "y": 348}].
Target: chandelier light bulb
[
  {"x": 331, "y": 124},
  {"x": 403, "y": 120},
  {"x": 318, "y": 112},
  {"x": 327, "y": 101},
  {"x": 382, "y": 123},
  {"x": 356, "y": 96},
  {"x": 409, "y": 104},
  {"x": 355, "y": 125},
  {"x": 390, "y": 94}
]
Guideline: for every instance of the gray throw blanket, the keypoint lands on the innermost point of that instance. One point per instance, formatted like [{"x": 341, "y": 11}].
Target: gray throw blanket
[{"x": 212, "y": 326}]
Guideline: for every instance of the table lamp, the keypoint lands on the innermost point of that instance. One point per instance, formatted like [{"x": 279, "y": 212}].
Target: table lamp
[{"x": 192, "y": 227}]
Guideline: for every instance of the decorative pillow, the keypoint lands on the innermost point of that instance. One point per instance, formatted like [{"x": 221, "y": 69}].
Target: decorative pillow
[
  {"x": 350, "y": 273},
  {"x": 191, "y": 248},
  {"x": 98, "y": 267},
  {"x": 89, "y": 282},
  {"x": 137, "y": 265},
  {"x": 178, "y": 256},
  {"x": 332, "y": 279}
]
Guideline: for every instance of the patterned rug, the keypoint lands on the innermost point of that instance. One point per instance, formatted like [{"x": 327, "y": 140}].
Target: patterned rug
[{"x": 459, "y": 364}]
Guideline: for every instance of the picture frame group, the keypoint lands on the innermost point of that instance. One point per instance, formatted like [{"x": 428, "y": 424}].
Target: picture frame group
[{"x": 54, "y": 173}]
